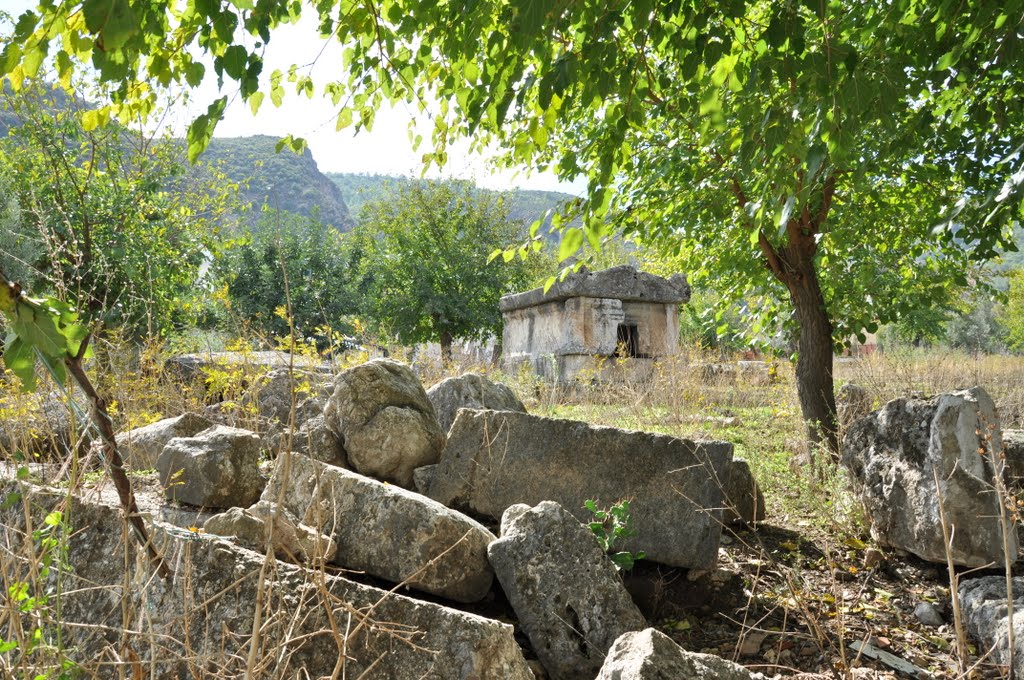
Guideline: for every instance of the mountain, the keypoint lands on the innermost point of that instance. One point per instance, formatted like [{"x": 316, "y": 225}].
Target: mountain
[
  {"x": 524, "y": 206},
  {"x": 285, "y": 180}
]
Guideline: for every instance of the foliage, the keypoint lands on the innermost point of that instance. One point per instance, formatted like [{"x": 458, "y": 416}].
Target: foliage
[
  {"x": 977, "y": 329},
  {"x": 290, "y": 261},
  {"x": 22, "y": 248},
  {"x": 425, "y": 269},
  {"x": 34, "y": 598},
  {"x": 112, "y": 227},
  {"x": 1012, "y": 317},
  {"x": 525, "y": 206},
  {"x": 610, "y": 527},
  {"x": 842, "y": 161},
  {"x": 45, "y": 329}
]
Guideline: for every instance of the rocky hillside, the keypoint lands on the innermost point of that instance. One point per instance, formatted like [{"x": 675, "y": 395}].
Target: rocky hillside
[
  {"x": 285, "y": 180},
  {"x": 524, "y": 206}
]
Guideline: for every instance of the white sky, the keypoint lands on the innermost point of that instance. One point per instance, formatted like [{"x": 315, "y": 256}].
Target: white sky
[{"x": 385, "y": 150}]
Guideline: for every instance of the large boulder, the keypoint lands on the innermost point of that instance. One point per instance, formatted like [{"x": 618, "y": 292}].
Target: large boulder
[
  {"x": 744, "y": 502},
  {"x": 983, "y": 602},
  {"x": 275, "y": 393},
  {"x": 853, "y": 402},
  {"x": 495, "y": 459},
  {"x": 313, "y": 623},
  {"x": 386, "y": 423},
  {"x": 651, "y": 655},
  {"x": 142, "y": 446},
  {"x": 217, "y": 468},
  {"x": 565, "y": 590},
  {"x": 385, "y": 530},
  {"x": 470, "y": 390},
  {"x": 1013, "y": 450},
  {"x": 267, "y": 524},
  {"x": 913, "y": 454}
]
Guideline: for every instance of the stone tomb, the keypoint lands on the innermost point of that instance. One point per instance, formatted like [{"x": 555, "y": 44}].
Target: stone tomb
[{"x": 590, "y": 317}]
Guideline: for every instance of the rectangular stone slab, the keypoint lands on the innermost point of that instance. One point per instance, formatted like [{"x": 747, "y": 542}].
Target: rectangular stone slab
[
  {"x": 201, "y": 623},
  {"x": 495, "y": 459}
]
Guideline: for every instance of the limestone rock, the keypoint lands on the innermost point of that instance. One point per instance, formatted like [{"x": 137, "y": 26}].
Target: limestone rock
[
  {"x": 317, "y": 441},
  {"x": 142, "y": 446},
  {"x": 853, "y": 402},
  {"x": 217, "y": 468},
  {"x": 983, "y": 603},
  {"x": 470, "y": 390},
  {"x": 215, "y": 592},
  {"x": 1013, "y": 448},
  {"x": 385, "y": 421},
  {"x": 273, "y": 393},
  {"x": 385, "y": 530},
  {"x": 266, "y": 523},
  {"x": 564, "y": 589},
  {"x": 894, "y": 455},
  {"x": 495, "y": 459},
  {"x": 744, "y": 502},
  {"x": 651, "y": 655}
]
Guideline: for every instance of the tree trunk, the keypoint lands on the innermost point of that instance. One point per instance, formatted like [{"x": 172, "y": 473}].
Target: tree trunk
[
  {"x": 814, "y": 384},
  {"x": 793, "y": 264},
  {"x": 446, "y": 349}
]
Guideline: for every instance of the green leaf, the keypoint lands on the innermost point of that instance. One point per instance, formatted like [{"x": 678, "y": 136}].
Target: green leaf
[
  {"x": 113, "y": 20},
  {"x": 234, "y": 61},
  {"x": 20, "y": 359},
  {"x": 200, "y": 132},
  {"x": 572, "y": 239}
]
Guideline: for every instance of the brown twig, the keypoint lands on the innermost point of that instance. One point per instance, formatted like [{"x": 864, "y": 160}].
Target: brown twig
[{"x": 115, "y": 464}]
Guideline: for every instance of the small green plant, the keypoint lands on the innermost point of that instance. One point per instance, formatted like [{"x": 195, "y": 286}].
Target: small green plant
[{"x": 612, "y": 526}]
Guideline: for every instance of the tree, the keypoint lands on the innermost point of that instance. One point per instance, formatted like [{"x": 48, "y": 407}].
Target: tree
[
  {"x": 104, "y": 218},
  {"x": 426, "y": 273},
  {"x": 841, "y": 161},
  {"x": 297, "y": 254}
]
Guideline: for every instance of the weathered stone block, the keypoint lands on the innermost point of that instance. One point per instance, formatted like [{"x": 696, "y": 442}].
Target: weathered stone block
[
  {"x": 203, "y": 618},
  {"x": 470, "y": 390},
  {"x": 983, "y": 602},
  {"x": 651, "y": 655},
  {"x": 217, "y": 468},
  {"x": 495, "y": 459},
  {"x": 385, "y": 530},
  {"x": 142, "y": 446},
  {"x": 564, "y": 589},
  {"x": 913, "y": 454},
  {"x": 386, "y": 423}
]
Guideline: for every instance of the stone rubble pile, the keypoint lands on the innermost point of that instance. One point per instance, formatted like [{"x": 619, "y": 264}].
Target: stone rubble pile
[{"x": 341, "y": 494}]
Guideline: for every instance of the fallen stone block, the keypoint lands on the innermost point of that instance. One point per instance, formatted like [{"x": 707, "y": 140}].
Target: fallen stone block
[
  {"x": 651, "y": 655},
  {"x": 895, "y": 455},
  {"x": 385, "y": 530},
  {"x": 470, "y": 390},
  {"x": 385, "y": 421},
  {"x": 266, "y": 523},
  {"x": 217, "y": 468},
  {"x": 983, "y": 602},
  {"x": 565, "y": 590},
  {"x": 311, "y": 624},
  {"x": 142, "y": 446},
  {"x": 495, "y": 459}
]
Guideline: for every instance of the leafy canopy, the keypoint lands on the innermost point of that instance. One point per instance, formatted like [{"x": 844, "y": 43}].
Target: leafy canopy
[
  {"x": 710, "y": 128},
  {"x": 106, "y": 220},
  {"x": 425, "y": 273}
]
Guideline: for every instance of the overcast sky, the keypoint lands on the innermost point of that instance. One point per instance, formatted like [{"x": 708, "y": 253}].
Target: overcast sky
[{"x": 385, "y": 150}]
